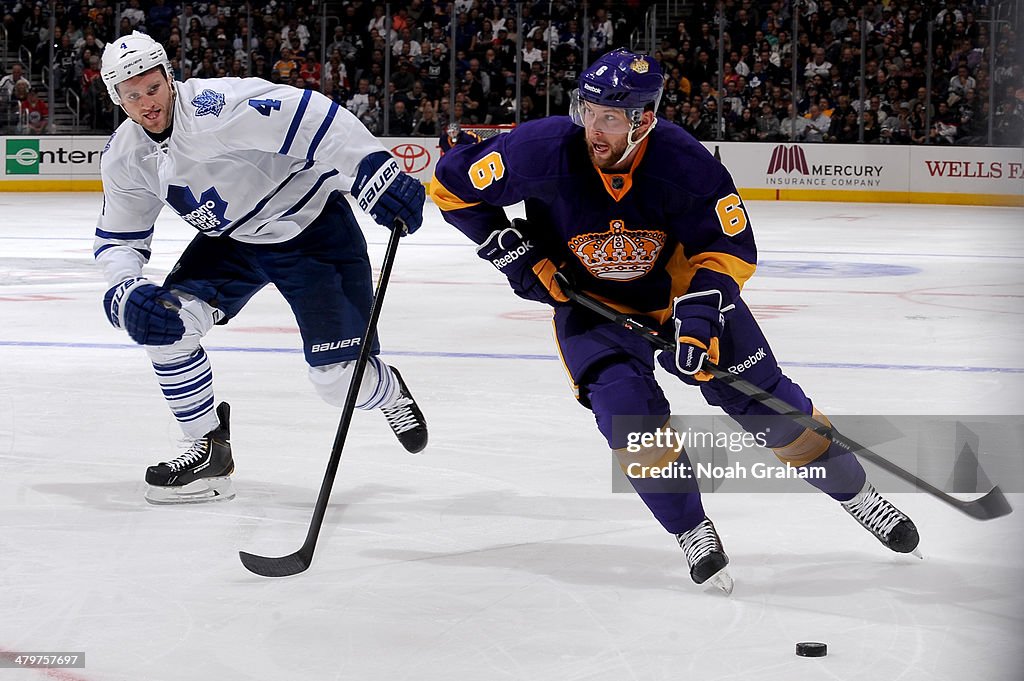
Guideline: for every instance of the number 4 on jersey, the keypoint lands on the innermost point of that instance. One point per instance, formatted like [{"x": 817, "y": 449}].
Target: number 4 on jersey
[{"x": 264, "y": 106}]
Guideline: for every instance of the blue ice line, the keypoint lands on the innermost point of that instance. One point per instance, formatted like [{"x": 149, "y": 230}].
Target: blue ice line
[
  {"x": 978, "y": 256},
  {"x": 504, "y": 355}
]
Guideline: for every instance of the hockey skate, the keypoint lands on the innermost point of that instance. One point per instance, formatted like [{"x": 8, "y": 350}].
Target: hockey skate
[
  {"x": 704, "y": 553},
  {"x": 890, "y": 526},
  {"x": 201, "y": 474},
  {"x": 406, "y": 419}
]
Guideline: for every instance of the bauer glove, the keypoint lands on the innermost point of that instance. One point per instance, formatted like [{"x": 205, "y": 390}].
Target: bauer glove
[
  {"x": 149, "y": 313},
  {"x": 530, "y": 274},
  {"x": 698, "y": 324},
  {"x": 385, "y": 192}
]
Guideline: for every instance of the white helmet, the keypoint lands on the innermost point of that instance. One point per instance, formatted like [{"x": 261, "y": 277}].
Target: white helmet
[{"x": 129, "y": 56}]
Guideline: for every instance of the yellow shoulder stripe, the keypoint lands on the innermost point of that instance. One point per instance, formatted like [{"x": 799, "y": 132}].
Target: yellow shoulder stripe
[
  {"x": 445, "y": 199},
  {"x": 723, "y": 263}
]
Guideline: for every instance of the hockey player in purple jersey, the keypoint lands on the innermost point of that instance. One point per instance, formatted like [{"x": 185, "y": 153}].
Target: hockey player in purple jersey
[{"x": 642, "y": 217}]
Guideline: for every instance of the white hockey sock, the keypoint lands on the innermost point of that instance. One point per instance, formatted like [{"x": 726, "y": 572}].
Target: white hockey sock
[
  {"x": 187, "y": 386},
  {"x": 379, "y": 386}
]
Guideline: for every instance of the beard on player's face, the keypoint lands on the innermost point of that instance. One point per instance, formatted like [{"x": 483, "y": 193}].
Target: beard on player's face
[{"x": 605, "y": 150}]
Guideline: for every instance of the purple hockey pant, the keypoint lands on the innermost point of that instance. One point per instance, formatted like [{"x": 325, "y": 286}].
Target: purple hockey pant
[{"x": 614, "y": 372}]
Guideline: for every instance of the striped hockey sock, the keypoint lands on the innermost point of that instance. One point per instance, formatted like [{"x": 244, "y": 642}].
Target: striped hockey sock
[
  {"x": 384, "y": 392},
  {"x": 379, "y": 387},
  {"x": 187, "y": 386}
]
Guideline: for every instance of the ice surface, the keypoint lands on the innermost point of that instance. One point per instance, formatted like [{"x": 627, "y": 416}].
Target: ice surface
[{"x": 499, "y": 553}]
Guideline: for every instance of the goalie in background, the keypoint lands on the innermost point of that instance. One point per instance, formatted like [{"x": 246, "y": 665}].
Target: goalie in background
[{"x": 454, "y": 135}]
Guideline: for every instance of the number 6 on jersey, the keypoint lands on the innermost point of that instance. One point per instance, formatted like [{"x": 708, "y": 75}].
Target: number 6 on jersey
[
  {"x": 487, "y": 170},
  {"x": 731, "y": 214}
]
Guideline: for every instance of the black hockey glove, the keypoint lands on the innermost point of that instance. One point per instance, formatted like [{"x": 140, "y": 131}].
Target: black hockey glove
[
  {"x": 530, "y": 274},
  {"x": 149, "y": 313},
  {"x": 386, "y": 193},
  {"x": 699, "y": 323}
]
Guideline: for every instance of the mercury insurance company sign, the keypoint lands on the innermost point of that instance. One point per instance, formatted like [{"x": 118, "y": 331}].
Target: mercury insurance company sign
[{"x": 792, "y": 165}]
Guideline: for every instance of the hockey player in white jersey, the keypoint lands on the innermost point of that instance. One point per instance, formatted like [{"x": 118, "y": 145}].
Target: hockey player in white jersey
[{"x": 259, "y": 170}]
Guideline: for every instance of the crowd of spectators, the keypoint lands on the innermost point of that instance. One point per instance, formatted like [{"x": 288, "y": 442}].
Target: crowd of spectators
[
  {"x": 280, "y": 41},
  {"x": 832, "y": 100}
]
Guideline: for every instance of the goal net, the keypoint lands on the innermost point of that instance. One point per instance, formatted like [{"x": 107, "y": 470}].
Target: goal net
[{"x": 488, "y": 131}]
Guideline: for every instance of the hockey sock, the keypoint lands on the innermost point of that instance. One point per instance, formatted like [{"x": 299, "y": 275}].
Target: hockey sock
[
  {"x": 628, "y": 387},
  {"x": 385, "y": 386},
  {"x": 674, "y": 500},
  {"x": 187, "y": 386},
  {"x": 844, "y": 475},
  {"x": 379, "y": 386}
]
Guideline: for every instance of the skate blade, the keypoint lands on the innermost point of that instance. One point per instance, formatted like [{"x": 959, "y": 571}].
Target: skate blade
[
  {"x": 721, "y": 580},
  {"x": 198, "y": 492}
]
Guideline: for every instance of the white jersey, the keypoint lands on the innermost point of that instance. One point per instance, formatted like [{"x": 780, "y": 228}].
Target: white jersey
[{"x": 247, "y": 160}]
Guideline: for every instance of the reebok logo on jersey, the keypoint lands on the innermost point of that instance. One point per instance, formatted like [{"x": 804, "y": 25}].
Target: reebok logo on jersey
[
  {"x": 335, "y": 345},
  {"x": 381, "y": 180},
  {"x": 748, "y": 362}
]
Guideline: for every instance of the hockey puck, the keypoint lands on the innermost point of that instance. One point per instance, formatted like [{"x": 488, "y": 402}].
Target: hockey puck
[{"x": 811, "y": 649}]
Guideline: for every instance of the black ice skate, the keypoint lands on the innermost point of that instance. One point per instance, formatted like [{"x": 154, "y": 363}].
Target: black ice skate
[
  {"x": 201, "y": 474},
  {"x": 704, "y": 553},
  {"x": 890, "y": 525},
  {"x": 406, "y": 419}
]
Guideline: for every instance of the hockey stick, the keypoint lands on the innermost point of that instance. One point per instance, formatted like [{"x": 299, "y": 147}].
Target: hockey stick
[
  {"x": 992, "y": 504},
  {"x": 297, "y": 562}
]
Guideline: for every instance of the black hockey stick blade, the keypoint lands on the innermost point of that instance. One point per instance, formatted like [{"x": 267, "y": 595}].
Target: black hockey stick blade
[
  {"x": 993, "y": 504},
  {"x": 283, "y": 566}
]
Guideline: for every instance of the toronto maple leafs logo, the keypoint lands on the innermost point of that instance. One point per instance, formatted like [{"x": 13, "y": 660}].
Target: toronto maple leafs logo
[
  {"x": 208, "y": 102},
  {"x": 205, "y": 213},
  {"x": 110, "y": 141}
]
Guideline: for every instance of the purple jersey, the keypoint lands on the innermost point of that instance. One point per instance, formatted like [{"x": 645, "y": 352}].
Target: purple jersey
[
  {"x": 465, "y": 137},
  {"x": 671, "y": 223}
]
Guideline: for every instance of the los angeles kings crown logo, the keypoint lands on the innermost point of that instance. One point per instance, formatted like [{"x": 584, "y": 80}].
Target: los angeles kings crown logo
[{"x": 619, "y": 254}]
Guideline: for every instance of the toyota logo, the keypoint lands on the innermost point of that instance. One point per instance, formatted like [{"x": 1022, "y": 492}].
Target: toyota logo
[{"x": 414, "y": 157}]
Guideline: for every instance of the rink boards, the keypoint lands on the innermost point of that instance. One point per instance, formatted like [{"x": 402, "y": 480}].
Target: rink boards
[{"x": 992, "y": 176}]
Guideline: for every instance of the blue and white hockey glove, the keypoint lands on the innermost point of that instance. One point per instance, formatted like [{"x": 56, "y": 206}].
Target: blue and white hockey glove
[
  {"x": 530, "y": 274},
  {"x": 699, "y": 322},
  {"x": 385, "y": 192},
  {"x": 149, "y": 313}
]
